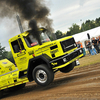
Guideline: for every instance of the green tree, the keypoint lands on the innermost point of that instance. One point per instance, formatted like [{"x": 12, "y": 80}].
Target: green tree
[
  {"x": 88, "y": 25},
  {"x": 68, "y": 33},
  {"x": 74, "y": 29},
  {"x": 58, "y": 34},
  {"x": 97, "y": 22},
  {"x": 3, "y": 52},
  {"x": 92, "y": 24},
  {"x": 10, "y": 56},
  {"x": 82, "y": 27}
]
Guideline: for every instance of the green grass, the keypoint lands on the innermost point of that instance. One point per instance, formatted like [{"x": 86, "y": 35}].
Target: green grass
[{"x": 89, "y": 60}]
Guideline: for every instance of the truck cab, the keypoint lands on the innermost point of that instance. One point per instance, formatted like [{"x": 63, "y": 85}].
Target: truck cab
[{"x": 40, "y": 62}]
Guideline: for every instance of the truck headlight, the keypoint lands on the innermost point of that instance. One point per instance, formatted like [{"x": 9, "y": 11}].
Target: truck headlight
[
  {"x": 75, "y": 44},
  {"x": 64, "y": 60},
  {"x": 81, "y": 51}
]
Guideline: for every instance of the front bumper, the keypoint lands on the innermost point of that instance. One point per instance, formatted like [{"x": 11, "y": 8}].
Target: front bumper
[{"x": 66, "y": 59}]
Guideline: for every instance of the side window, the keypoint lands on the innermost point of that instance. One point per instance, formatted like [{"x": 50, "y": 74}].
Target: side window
[
  {"x": 17, "y": 45},
  {"x": 21, "y": 44}
]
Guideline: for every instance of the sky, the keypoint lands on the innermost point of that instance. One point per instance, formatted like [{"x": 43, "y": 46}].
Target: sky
[{"x": 63, "y": 13}]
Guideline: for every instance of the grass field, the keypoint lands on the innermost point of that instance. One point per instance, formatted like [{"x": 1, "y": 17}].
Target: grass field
[{"x": 89, "y": 60}]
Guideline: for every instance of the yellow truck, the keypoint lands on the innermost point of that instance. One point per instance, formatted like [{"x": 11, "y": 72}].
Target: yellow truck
[{"x": 37, "y": 62}]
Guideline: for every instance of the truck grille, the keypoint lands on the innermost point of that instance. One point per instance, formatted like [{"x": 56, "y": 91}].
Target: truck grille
[{"x": 68, "y": 44}]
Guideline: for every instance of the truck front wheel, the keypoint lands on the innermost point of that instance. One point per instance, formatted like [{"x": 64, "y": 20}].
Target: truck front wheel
[
  {"x": 43, "y": 75},
  {"x": 68, "y": 68}
]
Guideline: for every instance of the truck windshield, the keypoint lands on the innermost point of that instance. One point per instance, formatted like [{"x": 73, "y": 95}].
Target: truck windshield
[{"x": 31, "y": 40}]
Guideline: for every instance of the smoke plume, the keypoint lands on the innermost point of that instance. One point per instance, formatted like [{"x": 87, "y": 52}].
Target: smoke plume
[{"x": 33, "y": 11}]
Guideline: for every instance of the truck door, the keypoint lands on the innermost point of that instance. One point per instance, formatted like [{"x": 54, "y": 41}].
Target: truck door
[{"x": 20, "y": 55}]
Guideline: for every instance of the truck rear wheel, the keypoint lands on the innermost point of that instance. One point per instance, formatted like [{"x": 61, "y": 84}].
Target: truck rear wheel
[
  {"x": 68, "y": 68},
  {"x": 43, "y": 75}
]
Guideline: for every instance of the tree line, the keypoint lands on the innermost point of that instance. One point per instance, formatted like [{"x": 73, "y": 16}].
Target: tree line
[{"x": 74, "y": 29}]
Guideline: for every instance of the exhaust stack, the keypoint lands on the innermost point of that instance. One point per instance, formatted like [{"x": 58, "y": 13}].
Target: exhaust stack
[{"x": 19, "y": 23}]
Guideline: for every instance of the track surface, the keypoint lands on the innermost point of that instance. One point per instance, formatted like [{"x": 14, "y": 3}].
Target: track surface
[{"x": 80, "y": 84}]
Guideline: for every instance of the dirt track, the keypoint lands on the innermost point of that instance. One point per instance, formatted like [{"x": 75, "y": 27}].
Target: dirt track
[{"x": 80, "y": 84}]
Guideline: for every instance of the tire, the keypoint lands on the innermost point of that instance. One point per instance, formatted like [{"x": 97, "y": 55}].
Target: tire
[
  {"x": 68, "y": 68},
  {"x": 43, "y": 75}
]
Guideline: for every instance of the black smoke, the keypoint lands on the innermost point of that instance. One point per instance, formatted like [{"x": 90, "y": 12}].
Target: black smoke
[
  {"x": 34, "y": 30},
  {"x": 33, "y": 11}
]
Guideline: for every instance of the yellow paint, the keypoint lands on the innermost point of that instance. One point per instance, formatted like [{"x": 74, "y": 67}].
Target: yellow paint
[
  {"x": 54, "y": 64},
  {"x": 7, "y": 76}
]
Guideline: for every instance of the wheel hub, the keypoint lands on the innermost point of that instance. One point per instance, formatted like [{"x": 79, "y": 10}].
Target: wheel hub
[{"x": 41, "y": 76}]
